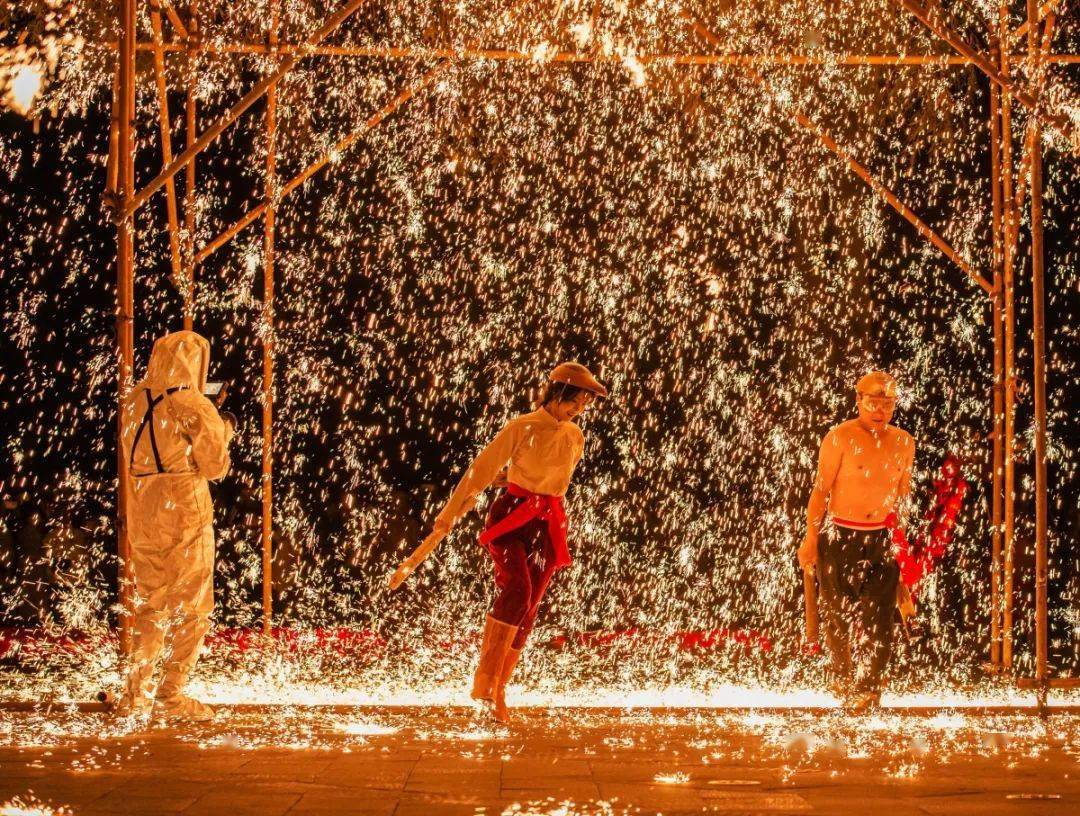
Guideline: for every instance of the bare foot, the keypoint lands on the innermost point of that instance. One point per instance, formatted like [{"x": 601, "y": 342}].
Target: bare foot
[
  {"x": 865, "y": 702},
  {"x": 481, "y": 694}
]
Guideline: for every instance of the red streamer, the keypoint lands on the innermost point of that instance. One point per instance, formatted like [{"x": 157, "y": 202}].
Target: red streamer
[{"x": 916, "y": 559}]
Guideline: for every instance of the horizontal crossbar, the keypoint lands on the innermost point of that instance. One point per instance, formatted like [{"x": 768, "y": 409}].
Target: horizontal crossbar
[
  {"x": 394, "y": 52},
  {"x": 216, "y": 129}
]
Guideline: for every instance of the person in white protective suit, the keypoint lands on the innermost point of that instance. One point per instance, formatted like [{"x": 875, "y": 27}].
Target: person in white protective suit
[{"x": 175, "y": 442}]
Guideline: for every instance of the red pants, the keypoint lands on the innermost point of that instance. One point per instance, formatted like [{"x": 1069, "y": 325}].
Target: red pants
[{"x": 524, "y": 561}]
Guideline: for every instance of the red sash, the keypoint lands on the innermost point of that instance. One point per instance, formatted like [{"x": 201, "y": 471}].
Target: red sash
[{"x": 535, "y": 506}]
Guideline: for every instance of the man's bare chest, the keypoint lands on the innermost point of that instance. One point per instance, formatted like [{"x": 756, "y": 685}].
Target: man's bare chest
[{"x": 871, "y": 459}]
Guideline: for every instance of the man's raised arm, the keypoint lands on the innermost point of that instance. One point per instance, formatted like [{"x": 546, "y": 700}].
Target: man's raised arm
[{"x": 829, "y": 457}]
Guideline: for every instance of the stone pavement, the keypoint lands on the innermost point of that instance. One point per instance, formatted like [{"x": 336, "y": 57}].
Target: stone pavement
[{"x": 582, "y": 762}]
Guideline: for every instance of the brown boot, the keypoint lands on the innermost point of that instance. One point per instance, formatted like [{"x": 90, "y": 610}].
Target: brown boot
[
  {"x": 502, "y": 713},
  {"x": 497, "y": 639}
]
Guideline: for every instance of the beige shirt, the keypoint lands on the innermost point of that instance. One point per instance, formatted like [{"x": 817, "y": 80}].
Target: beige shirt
[{"x": 542, "y": 453}]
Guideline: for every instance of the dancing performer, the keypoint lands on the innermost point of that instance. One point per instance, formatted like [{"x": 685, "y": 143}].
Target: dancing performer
[
  {"x": 864, "y": 475},
  {"x": 526, "y": 524}
]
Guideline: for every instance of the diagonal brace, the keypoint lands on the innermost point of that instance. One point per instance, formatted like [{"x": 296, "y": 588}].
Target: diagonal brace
[
  {"x": 327, "y": 157},
  {"x": 1022, "y": 29},
  {"x": 331, "y": 155},
  {"x": 216, "y": 129},
  {"x": 1059, "y": 123},
  {"x": 174, "y": 18},
  {"x": 862, "y": 172}
]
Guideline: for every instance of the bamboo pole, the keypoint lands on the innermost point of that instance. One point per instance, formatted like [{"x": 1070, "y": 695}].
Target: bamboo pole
[
  {"x": 862, "y": 172},
  {"x": 1010, "y": 221},
  {"x": 998, "y": 395},
  {"x": 893, "y": 201},
  {"x": 1053, "y": 682},
  {"x": 1013, "y": 190},
  {"x": 1039, "y": 357},
  {"x": 234, "y": 229},
  {"x": 334, "y": 153},
  {"x": 125, "y": 275},
  {"x": 1038, "y": 83},
  {"x": 190, "y": 132},
  {"x": 112, "y": 165},
  {"x": 1025, "y": 27},
  {"x": 234, "y": 113},
  {"x": 165, "y": 127},
  {"x": 1061, "y": 124},
  {"x": 174, "y": 18},
  {"x": 269, "y": 228}
]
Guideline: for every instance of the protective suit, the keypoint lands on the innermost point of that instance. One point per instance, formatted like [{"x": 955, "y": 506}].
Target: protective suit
[{"x": 175, "y": 441}]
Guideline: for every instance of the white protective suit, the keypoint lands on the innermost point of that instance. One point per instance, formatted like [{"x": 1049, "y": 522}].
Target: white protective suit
[{"x": 175, "y": 441}]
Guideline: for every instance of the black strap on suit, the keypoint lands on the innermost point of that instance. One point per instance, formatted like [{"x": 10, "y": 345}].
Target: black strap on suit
[{"x": 148, "y": 421}]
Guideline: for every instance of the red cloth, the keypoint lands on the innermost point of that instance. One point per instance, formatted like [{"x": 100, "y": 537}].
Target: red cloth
[
  {"x": 549, "y": 509},
  {"x": 916, "y": 558},
  {"x": 524, "y": 562}
]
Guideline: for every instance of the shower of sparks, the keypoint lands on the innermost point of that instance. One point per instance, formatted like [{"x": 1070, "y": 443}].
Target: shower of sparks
[{"x": 670, "y": 225}]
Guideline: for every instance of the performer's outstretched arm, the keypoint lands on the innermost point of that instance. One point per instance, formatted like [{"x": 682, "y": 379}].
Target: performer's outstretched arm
[
  {"x": 481, "y": 473},
  {"x": 829, "y": 458}
]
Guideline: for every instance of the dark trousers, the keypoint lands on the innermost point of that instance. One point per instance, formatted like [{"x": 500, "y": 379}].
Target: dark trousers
[
  {"x": 857, "y": 575},
  {"x": 524, "y": 563}
]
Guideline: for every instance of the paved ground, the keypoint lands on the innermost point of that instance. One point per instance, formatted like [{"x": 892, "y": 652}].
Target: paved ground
[{"x": 406, "y": 762}]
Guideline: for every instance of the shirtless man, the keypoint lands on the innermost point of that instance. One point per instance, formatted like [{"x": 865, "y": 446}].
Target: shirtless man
[{"x": 864, "y": 473}]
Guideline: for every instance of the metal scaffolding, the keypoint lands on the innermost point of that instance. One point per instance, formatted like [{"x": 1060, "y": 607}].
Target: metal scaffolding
[{"x": 1012, "y": 186}]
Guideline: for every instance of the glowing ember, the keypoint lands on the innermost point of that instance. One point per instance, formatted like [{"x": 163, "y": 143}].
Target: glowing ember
[
  {"x": 677, "y": 778},
  {"x": 364, "y": 728},
  {"x": 25, "y": 85},
  {"x": 554, "y": 807}
]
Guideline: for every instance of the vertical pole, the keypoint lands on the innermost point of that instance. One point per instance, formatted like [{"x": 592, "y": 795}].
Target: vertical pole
[
  {"x": 998, "y": 387},
  {"x": 269, "y": 227},
  {"x": 165, "y": 126},
  {"x": 1039, "y": 357},
  {"x": 125, "y": 276},
  {"x": 1009, "y": 362},
  {"x": 112, "y": 167},
  {"x": 189, "y": 172}
]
